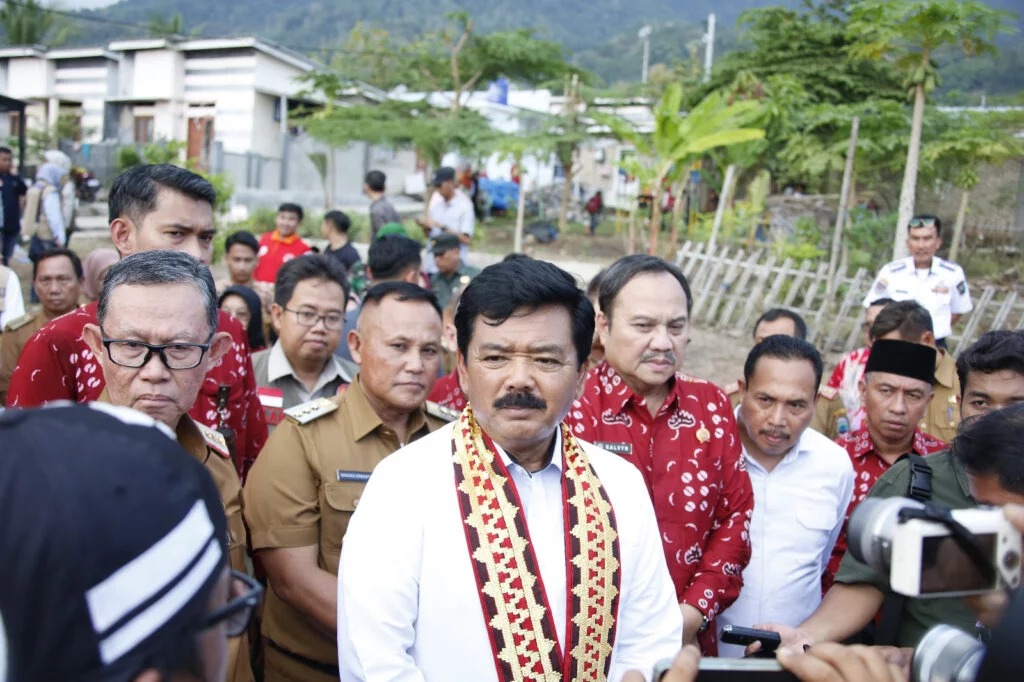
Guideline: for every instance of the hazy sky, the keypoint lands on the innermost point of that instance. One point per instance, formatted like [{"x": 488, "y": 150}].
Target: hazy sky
[{"x": 81, "y": 4}]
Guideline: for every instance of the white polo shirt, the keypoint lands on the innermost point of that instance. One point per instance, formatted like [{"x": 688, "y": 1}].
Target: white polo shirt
[
  {"x": 799, "y": 508},
  {"x": 942, "y": 289},
  {"x": 457, "y": 215}
]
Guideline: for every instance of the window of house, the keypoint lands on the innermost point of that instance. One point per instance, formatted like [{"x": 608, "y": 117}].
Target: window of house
[
  {"x": 143, "y": 130},
  {"x": 14, "y": 123}
]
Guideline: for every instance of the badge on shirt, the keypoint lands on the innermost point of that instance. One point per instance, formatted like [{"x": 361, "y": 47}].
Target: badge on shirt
[
  {"x": 272, "y": 400},
  {"x": 617, "y": 448},
  {"x": 353, "y": 476},
  {"x": 940, "y": 289},
  {"x": 703, "y": 435},
  {"x": 962, "y": 287}
]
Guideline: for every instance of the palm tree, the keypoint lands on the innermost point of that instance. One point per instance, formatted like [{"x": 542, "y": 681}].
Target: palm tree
[
  {"x": 909, "y": 32},
  {"x": 677, "y": 138},
  {"x": 27, "y": 22}
]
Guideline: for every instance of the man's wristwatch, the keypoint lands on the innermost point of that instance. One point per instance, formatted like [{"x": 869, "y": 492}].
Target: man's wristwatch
[{"x": 704, "y": 623}]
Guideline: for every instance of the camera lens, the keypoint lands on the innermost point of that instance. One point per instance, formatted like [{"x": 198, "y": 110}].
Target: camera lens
[
  {"x": 871, "y": 527},
  {"x": 946, "y": 654}
]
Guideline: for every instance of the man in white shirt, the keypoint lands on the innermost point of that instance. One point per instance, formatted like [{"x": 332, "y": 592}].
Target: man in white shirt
[
  {"x": 802, "y": 485},
  {"x": 12, "y": 303},
  {"x": 939, "y": 285},
  {"x": 449, "y": 211},
  {"x": 540, "y": 556}
]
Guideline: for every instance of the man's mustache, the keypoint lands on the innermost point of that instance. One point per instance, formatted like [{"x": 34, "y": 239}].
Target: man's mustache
[
  {"x": 667, "y": 357},
  {"x": 523, "y": 400}
]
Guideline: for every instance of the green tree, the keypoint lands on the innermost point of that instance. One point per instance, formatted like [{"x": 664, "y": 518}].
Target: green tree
[
  {"x": 169, "y": 27},
  {"x": 676, "y": 139},
  {"x": 27, "y": 22},
  {"x": 972, "y": 140},
  {"x": 908, "y": 32}
]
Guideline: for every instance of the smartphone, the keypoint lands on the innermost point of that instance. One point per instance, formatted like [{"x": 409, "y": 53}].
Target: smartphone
[{"x": 734, "y": 634}]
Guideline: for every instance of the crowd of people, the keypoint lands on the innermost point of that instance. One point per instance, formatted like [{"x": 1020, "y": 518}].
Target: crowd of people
[{"x": 451, "y": 473}]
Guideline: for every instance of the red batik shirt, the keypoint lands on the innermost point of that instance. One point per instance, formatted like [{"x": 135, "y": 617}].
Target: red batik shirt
[
  {"x": 448, "y": 393},
  {"x": 868, "y": 467},
  {"x": 691, "y": 459},
  {"x": 57, "y": 364},
  {"x": 274, "y": 252},
  {"x": 845, "y": 377}
]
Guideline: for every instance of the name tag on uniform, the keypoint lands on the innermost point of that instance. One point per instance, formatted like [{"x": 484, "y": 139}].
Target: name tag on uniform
[
  {"x": 617, "y": 448},
  {"x": 353, "y": 476}
]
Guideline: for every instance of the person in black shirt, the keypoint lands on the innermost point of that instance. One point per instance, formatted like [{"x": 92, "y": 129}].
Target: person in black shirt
[
  {"x": 335, "y": 230},
  {"x": 12, "y": 202}
]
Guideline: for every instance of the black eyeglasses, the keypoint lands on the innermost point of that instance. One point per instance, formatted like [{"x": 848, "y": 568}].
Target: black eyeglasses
[
  {"x": 309, "y": 318},
  {"x": 922, "y": 222},
  {"x": 238, "y": 611},
  {"x": 135, "y": 354}
]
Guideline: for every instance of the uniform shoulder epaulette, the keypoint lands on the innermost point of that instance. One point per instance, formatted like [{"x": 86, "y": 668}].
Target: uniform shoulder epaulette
[
  {"x": 828, "y": 393},
  {"x": 897, "y": 265},
  {"x": 214, "y": 440},
  {"x": 440, "y": 411},
  {"x": 18, "y": 322},
  {"x": 309, "y": 411},
  {"x": 946, "y": 265}
]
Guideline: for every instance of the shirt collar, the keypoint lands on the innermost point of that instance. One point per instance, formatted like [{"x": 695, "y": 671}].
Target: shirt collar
[
  {"x": 290, "y": 239},
  {"x": 865, "y": 446},
  {"x": 622, "y": 395},
  {"x": 278, "y": 367},
  {"x": 556, "y": 456},
  {"x": 364, "y": 420}
]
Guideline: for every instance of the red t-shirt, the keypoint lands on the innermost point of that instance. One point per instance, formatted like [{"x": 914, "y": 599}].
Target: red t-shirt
[
  {"x": 274, "y": 252},
  {"x": 868, "y": 467},
  {"x": 57, "y": 364},
  {"x": 691, "y": 459},
  {"x": 448, "y": 393}
]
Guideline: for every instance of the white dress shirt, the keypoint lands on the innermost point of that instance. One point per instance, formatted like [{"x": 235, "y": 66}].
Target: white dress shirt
[
  {"x": 14, "y": 302},
  {"x": 408, "y": 603},
  {"x": 942, "y": 290},
  {"x": 457, "y": 215},
  {"x": 799, "y": 508}
]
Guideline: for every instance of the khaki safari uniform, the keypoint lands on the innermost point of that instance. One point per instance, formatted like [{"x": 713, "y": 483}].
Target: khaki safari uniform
[
  {"x": 209, "y": 448},
  {"x": 302, "y": 491},
  {"x": 16, "y": 334},
  {"x": 941, "y": 420}
]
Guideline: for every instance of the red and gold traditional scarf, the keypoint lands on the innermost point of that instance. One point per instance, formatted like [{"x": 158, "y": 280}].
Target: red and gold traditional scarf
[{"x": 521, "y": 627}]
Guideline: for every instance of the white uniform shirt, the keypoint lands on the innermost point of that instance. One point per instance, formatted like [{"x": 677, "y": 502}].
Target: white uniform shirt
[
  {"x": 408, "y": 603},
  {"x": 457, "y": 215},
  {"x": 14, "y": 302},
  {"x": 942, "y": 290},
  {"x": 799, "y": 508}
]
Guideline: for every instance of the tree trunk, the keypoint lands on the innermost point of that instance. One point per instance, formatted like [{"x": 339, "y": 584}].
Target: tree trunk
[
  {"x": 563, "y": 209},
  {"x": 631, "y": 233},
  {"x": 909, "y": 188},
  {"x": 844, "y": 200},
  {"x": 723, "y": 200},
  {"x": 517, "y": 241},
  {"x": 677, "y": 214},
  {"x": 656, "y": 194},
  {"x": 958, "y": 228}
]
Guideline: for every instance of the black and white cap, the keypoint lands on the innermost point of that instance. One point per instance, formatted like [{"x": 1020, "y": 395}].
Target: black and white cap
[{"x": 111, "y": 538}]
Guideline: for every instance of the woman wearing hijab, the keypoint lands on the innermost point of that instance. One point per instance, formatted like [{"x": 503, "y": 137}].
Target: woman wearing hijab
[
  {"x": 243, "y": 304},
  {"x": 44, "y": 217},
  {"x": 95, "y": 266}
]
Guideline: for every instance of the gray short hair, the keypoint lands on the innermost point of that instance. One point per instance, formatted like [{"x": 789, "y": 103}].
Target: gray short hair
[{"x": 151, "y": 268}]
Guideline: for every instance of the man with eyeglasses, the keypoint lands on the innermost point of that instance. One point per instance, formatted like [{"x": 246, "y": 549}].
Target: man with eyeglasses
[
  {"x": 308, "y": 312},
  {"x": 937, "y": 284},
  {"x": 155, "y": 339},
  {"x": 152, "y": 207},
  {"x": 115, "y": 557},
  {"x": 307, "y": 481},
  {"x": 57, "y": 277}
]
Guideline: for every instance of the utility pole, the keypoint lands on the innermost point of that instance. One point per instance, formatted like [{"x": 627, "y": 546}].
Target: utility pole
[
  {"x": 645, "y": 35},
  {"x": 709, "y": 47}
]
